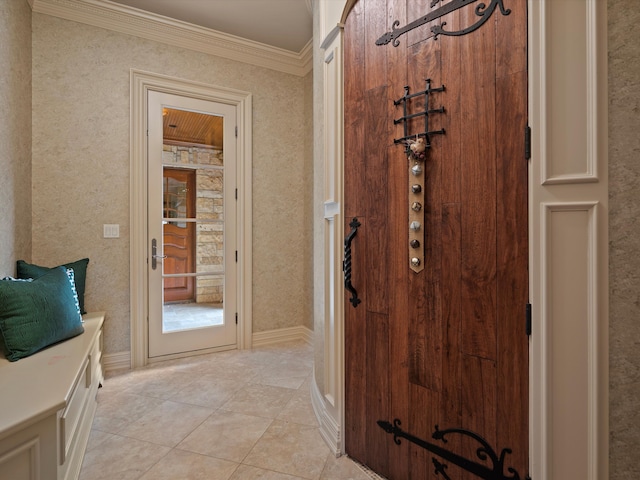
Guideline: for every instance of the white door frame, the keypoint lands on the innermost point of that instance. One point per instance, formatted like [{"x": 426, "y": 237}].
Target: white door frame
[{"x": 141, "y": 83}]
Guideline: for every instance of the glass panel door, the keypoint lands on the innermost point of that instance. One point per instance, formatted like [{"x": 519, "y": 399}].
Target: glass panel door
[{"x": 192, "y": 219}]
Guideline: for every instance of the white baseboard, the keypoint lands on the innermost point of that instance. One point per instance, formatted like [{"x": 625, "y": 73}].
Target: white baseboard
[
  {"x": 329, "y": 426},
  {"x": 122, "y": 360},
  {"x": 116, "y": 361},
  {"x": 280, "y": 335}
]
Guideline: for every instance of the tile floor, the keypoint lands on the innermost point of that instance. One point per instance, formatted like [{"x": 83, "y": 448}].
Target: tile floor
[
  {"x": 181, "y": 316},
  {"x": 237, "y": 415}
]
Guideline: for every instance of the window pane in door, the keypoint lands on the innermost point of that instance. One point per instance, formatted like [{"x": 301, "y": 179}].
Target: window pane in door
[
  {"x": 193, "y": 220},
  {"x": 205, "y": 311}
]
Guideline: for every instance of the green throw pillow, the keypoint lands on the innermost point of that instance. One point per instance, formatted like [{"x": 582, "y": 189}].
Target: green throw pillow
[
  {"x": 36, "y": 314},
  {"x": 29, "y": 270}
]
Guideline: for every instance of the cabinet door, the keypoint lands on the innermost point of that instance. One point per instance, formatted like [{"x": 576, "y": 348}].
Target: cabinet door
[{"x": 31, "y": 454}]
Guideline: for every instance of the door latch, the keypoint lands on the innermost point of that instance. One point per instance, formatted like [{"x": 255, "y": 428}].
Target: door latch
[{"x": 154, "y": 254}]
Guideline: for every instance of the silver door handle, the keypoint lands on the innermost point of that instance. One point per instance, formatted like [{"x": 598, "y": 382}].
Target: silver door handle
[{"x": 154, "y": 254}]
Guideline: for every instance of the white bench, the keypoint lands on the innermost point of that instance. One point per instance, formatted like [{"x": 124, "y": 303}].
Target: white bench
[{"x": 47, "y": 404}]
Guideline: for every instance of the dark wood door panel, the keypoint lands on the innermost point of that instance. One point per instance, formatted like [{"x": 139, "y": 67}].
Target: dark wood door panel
[
  {"x": 179, "y": 237},
  {"x": 512, "y": 214},
  {"x": 446, "y": 347}
]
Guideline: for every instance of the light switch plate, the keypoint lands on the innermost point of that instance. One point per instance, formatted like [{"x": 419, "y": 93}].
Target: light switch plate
[{"x": 111, "y": 230}]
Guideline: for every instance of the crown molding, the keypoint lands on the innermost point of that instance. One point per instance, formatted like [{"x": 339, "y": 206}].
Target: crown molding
[
  {"x": 132, "y": 21},
  {"x": 306, "y": 57}
]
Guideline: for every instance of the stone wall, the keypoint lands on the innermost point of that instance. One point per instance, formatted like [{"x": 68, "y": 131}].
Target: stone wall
[{"x": 209, "y": 206}]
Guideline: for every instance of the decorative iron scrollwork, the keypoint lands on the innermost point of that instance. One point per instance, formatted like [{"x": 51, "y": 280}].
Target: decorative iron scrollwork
[
  {"x": 440, "y": 468},
  {"x": 482, "y": 10},
  {"x": 495, "y": 471}
]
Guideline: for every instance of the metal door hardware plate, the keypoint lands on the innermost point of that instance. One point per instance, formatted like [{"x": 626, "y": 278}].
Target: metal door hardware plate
[
  {"x": 417, "y": 147},
  {"x": 416, "y": 220}
]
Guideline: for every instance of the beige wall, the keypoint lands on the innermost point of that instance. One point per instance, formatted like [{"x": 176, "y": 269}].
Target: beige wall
[
  {"x": 307, "y": 233},
  {"x": 15, "y": 134},
  {"x": 81, "y": 165},
  {"x": 624, "y": 237}
]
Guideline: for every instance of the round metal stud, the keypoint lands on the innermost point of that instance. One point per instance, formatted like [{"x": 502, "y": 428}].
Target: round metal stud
[
  {"x": 416, "y": 206},
  {"x": 414, "y": 243},
  {"x": 415, "y": 262},
  {"x": 415, "y": 226},
  {"x": 416, "y": 188},
  {"x": 416, "y": 170}
]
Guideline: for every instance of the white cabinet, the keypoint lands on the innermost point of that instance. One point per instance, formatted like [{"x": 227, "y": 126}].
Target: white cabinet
[{"x": 47, "y": 405}]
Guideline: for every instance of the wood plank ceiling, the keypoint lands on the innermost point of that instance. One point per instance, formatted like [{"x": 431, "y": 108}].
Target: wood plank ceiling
[{"x": 181, "y": 127}]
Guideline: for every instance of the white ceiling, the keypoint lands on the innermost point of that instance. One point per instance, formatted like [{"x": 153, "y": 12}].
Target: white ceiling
[{"x": 285, "y": 24}]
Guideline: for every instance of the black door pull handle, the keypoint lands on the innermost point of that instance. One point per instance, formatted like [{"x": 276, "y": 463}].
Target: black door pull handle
[{"x": 346, "y": 263}]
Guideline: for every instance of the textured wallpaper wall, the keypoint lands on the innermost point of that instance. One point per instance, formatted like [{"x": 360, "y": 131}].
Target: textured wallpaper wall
[
  {"x": 624, "y": 237},
  {"x": 308, "y": 205},
  {"x": 15, "y": 134},
  {"x": 81, "y": 165}
]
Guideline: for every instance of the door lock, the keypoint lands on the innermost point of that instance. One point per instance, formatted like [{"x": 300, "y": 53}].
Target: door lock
[{"x": 154, "y": 254}]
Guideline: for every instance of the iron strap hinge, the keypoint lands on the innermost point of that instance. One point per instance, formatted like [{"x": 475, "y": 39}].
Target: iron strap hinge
[
  {"x": 527, "y": 142},
  {"x": 528, "y": 320}
]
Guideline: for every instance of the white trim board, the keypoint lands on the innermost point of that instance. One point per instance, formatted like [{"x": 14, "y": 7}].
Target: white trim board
[
  {"x": 330, "y": 428},
  {"x": 271, "y": 337},
  {"x": 132, "y": 21},
  {"x": 122, "y": 360},
  {"x": 112, "y": 362}
]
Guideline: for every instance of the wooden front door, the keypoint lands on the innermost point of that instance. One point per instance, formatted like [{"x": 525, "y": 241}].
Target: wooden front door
[
  {"x": 179, "y": 238},
  {"x": 436, "y": 348}
]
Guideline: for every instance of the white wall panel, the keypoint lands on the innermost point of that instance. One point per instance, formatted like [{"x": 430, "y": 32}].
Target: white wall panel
[
  {"x": 568, "y": 239},
  {"x": 569, "y": 314},
  {"x": 333, "y": 378},
  {"x": 569, "y": 83},
  {"x": 21, "y": 462}
]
